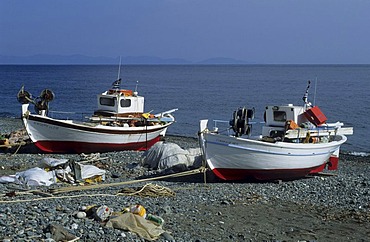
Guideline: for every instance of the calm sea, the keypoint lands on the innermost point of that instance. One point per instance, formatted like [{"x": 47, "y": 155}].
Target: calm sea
[{"x": 202, "y": 91}]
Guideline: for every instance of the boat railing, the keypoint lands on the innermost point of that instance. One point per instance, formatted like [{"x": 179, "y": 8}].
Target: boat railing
[
  {"x": 318, "y": 131},
  {"x": 79, "y": 116},
  {"x": 223, "y": 126}
]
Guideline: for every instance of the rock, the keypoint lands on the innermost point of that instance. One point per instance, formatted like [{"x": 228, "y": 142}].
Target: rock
[{"x": 81, "y": 215}]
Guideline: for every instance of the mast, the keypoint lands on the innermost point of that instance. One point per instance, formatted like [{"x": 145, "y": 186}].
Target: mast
[
  {"x": 305, "y": 96},
  {"x": 314, "y": 96},
  {"x": 119, "y": 69}
]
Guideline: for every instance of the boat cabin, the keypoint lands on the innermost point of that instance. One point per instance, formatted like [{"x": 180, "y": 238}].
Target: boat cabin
[
  {"x": 120, "y": 103},
  {"x": 297, "y": 122},
  {"x": 276, "y": 118}
]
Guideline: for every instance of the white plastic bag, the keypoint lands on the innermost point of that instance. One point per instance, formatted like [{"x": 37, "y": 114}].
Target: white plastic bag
[{"x": 35, "y": 177}]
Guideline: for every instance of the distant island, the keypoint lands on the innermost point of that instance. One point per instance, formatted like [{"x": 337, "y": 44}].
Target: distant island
[{"x": 101, "y": 60}]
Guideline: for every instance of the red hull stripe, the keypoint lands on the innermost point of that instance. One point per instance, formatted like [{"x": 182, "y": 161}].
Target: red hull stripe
[
  {"x": 318, "y": 169},
  {"x": 276, "y": 174},
  {"x": 92, "y": 129},
  {"x": 333, "y": 163},
  {"x": 82, "y": 147}
]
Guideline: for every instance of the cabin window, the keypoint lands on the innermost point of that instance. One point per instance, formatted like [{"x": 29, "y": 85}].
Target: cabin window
[
  {"x": 107, "y": 101},
  {"x": 279, "y": 116},
  {"x": 125, "y": 103}
]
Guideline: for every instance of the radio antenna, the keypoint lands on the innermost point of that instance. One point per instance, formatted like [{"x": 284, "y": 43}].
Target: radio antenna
[
  {"x": 314, "y": 96},
  {"x": 137, "y": 83},
  {"x": 119, "y": 68}
]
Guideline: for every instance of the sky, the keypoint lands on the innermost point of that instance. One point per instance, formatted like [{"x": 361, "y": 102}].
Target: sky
[{"x": 258, "y": 31}]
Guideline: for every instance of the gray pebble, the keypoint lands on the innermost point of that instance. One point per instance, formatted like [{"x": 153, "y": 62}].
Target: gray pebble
[{"x": 188, "y": 216}]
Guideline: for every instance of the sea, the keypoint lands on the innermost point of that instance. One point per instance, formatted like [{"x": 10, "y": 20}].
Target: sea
[{"x": 210, "y": 92}]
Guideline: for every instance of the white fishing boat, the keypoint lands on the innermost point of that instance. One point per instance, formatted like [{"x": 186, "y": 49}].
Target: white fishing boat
[
  {"x": 295, "y": 141},
  {"x": 119, "y": 123}
]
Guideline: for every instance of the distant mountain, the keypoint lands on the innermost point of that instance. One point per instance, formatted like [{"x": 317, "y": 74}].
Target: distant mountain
[
  {"x": 223, "y": 60},
  {"x": 153, "y": 60},
  {"x": 56, "y": 60},
  {"x": 101, "y": 60}
]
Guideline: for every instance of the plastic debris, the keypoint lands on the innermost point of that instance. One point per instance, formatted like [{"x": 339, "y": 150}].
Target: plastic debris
[
  {"x": 138, "y": 210},
  {"x": 54, "y": 170},
  {"x": 103, "y": 213}
]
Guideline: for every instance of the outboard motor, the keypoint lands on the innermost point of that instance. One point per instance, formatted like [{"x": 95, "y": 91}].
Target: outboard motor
[{"x": 240, "y": 121}]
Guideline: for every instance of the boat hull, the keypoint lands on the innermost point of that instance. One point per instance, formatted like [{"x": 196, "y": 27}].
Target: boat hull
[
  {"x": 232, "y": 158},
  {"x": 64, "y": 136}
]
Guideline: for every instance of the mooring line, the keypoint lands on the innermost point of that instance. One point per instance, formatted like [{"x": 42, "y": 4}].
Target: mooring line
[{"x": 80, "y": 188}]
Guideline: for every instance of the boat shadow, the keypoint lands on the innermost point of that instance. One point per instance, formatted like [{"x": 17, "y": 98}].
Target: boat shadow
[{"x": 27, "y": 148}]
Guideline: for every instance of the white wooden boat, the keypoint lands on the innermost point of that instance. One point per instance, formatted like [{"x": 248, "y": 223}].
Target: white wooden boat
[
  {"x": 295, "y": 141},
  {"x": 118, "y": 124}
]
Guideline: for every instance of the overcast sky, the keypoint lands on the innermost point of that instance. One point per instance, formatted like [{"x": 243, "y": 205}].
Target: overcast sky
[{"x": 262, "y": 31}]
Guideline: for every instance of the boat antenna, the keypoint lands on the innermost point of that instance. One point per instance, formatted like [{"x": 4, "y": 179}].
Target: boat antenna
[
  {"x": 135, "y": 93},
  {"x": 117, "y": 83},
  {"x": 305, "y": 96},
  {"x": 314, "y": 96},
  {"x": 119, "y": 69}
]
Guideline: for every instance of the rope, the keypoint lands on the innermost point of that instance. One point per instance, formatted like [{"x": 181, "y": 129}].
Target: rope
[
  {"x": 54, "y": 197},
  {"x": 10, "y": 145},
  {"x": 71, "y": 189},
  {"x": 16, "y": 151},
  {"x": 149, "y": 190},
  {"x": 15, "y": 144}
]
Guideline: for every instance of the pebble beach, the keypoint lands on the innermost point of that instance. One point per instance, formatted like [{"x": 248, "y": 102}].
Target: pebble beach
[{"x": 333, "y": 206}]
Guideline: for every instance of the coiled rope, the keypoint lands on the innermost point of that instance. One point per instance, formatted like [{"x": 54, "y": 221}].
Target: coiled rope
[{"x": 148, "y": 190}]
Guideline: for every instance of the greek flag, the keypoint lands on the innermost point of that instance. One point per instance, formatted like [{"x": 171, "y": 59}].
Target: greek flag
[{"x": 116, "y": 84}]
